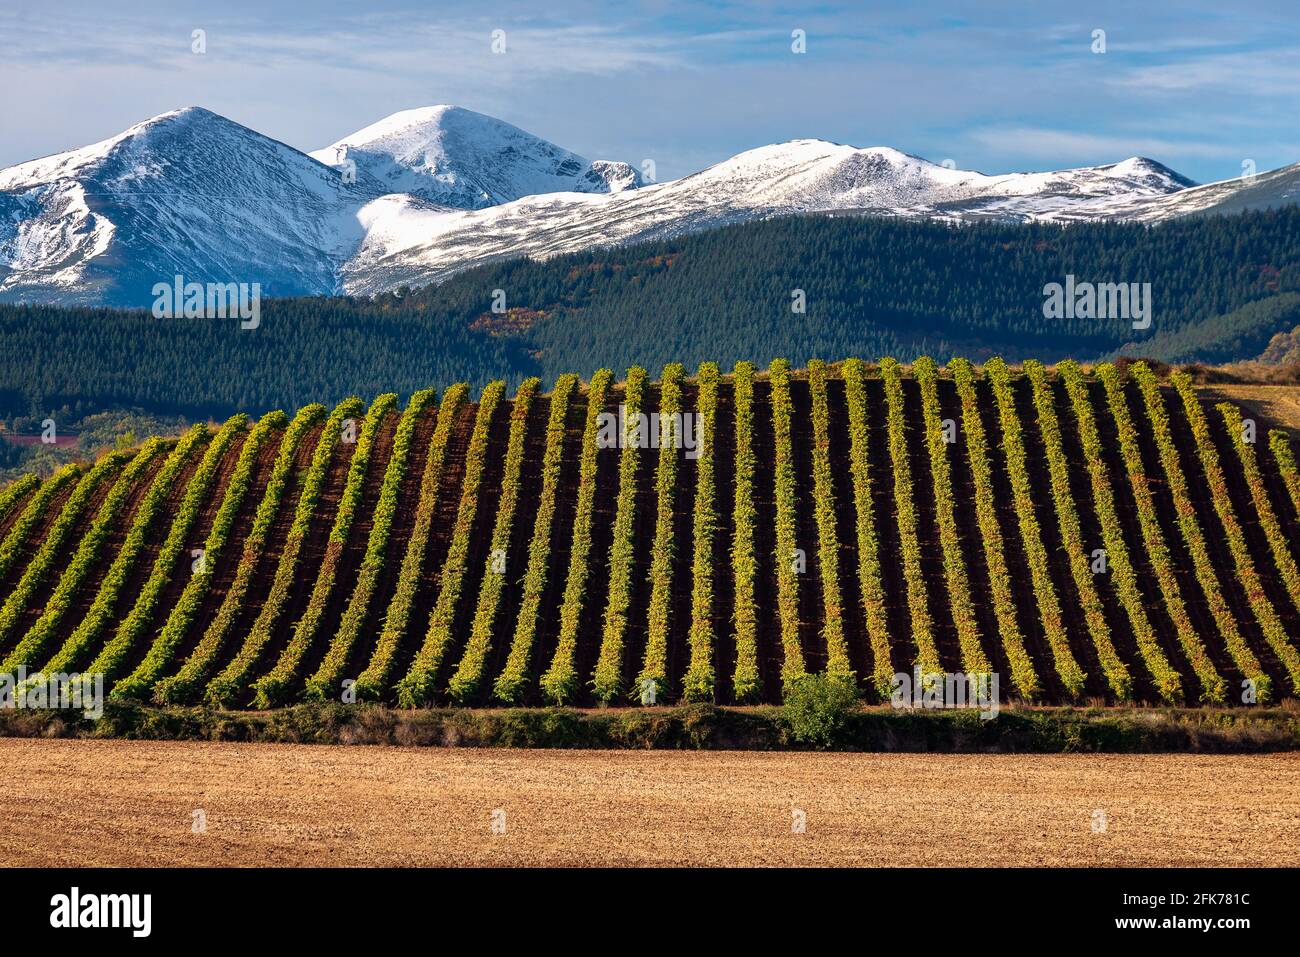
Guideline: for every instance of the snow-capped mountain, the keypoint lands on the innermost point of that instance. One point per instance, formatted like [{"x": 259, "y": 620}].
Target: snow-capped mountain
[
  {"x": 456, "y": 157},
  {"x": 410, "y": 242},
  {"x": 442, "y": 189},
  {"x": 187, "y": 192}
]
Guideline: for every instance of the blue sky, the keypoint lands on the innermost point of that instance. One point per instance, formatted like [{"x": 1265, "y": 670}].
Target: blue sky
[{"x": 992, "y": 86}]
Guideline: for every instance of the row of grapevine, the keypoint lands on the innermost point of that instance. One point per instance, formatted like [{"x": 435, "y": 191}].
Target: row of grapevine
[
  {"x": 698, "y": 684},
  {"x": 178, "y": 687},
  {"x": 1286, "y": 465},
  {"x": 165, "y": 643},
  {"x": 560, "y": 680},
  {"x": 1193, "y": 536},
  {"x": 828, "y": 542},
  {"x": 13, "y": 494},
  {"x": 417, "y": 687},
  {"x": 1023, "y": 674},
  {"x": 273, "y": 686},
  {"x": 869, "y": 574},
  {"x": 1213, "y": 687},
  {"x": 373, "y": 680},
  {"x": 1077, "y": 554},
  {"x": 147, "y": 513},
  {"x": 1168, "y": 683},
  {"x": 111, "y": 511},
  {"x": 468, "y": 676},
  {"x": 744, "y": 561},
  {"x": 230, "y": 682},
  {"x": 1268, "y": 521},
  {"x": 654, "y": 665},
  {"x": 918, "y": 604},
  {"x": 83, "y": 561},
  {"x": 36, "y": 509},
  {"x": 1247, "y": 574},
  {"x": 114, "y": 653},
  {"x": 974, "y": 660},
  {"x": 787, "y": 584},
  {"x": 792, "y": 666},
  {"x": 328, "y": 675},
  {"x": 1031, "y": 533},
  {"x": 608, "y": 679},
  {"x": 509, "y": 685}
]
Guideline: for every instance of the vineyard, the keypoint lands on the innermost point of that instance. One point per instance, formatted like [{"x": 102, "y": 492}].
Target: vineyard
[{"x": 1087, "y": 535}]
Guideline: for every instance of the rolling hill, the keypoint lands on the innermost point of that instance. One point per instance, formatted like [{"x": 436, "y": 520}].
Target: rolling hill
[{"x": 1100, "y": 536}]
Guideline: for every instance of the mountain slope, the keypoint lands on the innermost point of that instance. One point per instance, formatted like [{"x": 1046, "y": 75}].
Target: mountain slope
[
  {"x": 441, "y": 189},
  {"x": 455, "y": 157},
  {"x": 412, "y": 242},
  {"x": 187, "y": 192}
]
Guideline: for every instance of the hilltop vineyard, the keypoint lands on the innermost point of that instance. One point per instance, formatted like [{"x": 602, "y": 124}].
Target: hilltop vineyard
[{"x": 1084, "y": 534}]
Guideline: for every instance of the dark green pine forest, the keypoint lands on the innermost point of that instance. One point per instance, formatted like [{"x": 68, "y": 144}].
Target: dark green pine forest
[{"x": 1220, "y": 287}]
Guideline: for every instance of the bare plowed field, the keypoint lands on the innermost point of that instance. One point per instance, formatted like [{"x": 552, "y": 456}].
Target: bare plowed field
[{"x": 135, "y": 803}]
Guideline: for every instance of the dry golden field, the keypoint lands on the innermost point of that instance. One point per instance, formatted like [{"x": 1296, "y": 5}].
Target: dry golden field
[{"x": 134, "y": 803}]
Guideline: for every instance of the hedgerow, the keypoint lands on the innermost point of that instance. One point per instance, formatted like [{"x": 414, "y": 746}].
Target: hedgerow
[
  {"x": 417, "y": 687},
  {"x": 147, "y": 513},
  {"x": 828, "y": 542},
  {"x": 273, "y": 687},
  {"x": 654, "y": 665},
  {"x": 160, "y": 653},
  {"x": 1168, "y": 683},
  {"x": 698, "y": 684},
  {"x": 178, "y": 687},
  {"x": 1023, "y": 674},
  {"x": 113, "y": 655},
  {"x": 223, "y": 689},
  {"x": 869, "y": 575},
  {"x": 787, "y": 582},
  {"x": 111, "y": 512},
  {"x": 560, "y": 681},
  {"x": 464, "y": 684},
  {"x": 974, "y": 660},
  {"x": 1077, "y": 554},
  {"x": 326, "y": 680},
  {"x": 1213, "y": 687},
  {"x": 1031, "y": 534},
  {"x": 918, "y": 603},
  {"x": 608, "y": 679},
  {"x": 1193, "y": 536},
  {"x": 509, "y": 685},
  {"x": 1269, "y": 622},
  {"x": 374, "y": 679}
]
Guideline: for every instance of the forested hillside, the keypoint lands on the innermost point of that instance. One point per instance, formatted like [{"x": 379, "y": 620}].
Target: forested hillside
[{"x": 1220, "y": 288}]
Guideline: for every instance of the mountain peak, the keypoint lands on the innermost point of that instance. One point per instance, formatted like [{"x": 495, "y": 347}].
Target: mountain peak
[{"x": 456, "y": 157}]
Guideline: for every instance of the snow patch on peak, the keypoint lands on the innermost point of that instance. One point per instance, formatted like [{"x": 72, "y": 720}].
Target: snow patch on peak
[{"x": 456, "y": 157}]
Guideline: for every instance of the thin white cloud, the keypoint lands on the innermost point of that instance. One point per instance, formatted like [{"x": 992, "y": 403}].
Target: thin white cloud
[{"x": 1245, "y": 74}]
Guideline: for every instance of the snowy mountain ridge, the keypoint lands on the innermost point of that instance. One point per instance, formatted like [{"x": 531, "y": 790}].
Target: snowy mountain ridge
[{"x": 428, "y": 192}]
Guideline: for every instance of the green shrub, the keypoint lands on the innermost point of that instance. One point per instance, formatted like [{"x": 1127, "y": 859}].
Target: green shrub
[{"x": 817, "y": 708}]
